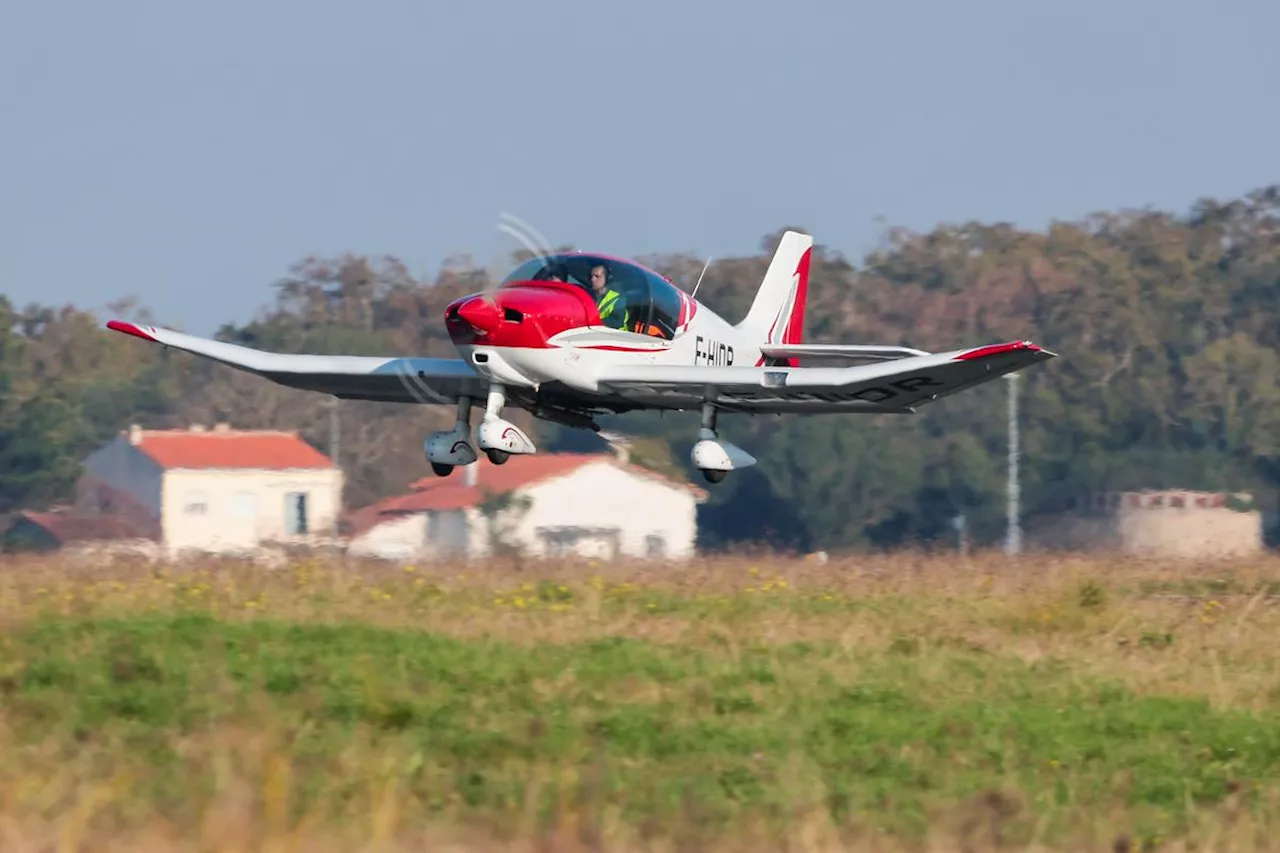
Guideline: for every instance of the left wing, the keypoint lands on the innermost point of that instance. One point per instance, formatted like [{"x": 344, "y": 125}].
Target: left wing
[
  {"x": 895, "y": 386},
  {"x": 352, "y": 377}
]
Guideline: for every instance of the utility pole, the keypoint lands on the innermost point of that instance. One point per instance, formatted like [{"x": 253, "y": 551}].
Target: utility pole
[
  {"x": 1013, "y": 535},
  {"x": 333, "y": 429},
  {"x": 333, "y": 454},
  {"x": 962, "y": 543}
]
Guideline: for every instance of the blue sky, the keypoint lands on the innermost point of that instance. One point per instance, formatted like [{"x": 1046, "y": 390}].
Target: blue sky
[{"x": 189, "y": 154}]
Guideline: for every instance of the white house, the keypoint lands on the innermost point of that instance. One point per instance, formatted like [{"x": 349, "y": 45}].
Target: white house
[
  {"x": 593, "y": 505},
  {"x": 219, "y": 490}
]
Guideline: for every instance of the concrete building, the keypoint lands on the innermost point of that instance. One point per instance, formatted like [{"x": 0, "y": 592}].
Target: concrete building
[
  {"x": 592, "y": 505},
  {"x": 219, "y": 490},
  {"x": 1166, "y": 522}
]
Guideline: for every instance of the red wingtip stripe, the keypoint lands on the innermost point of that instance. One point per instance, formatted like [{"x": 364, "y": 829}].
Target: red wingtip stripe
[
  {"x": 129, "y": 329},
  {"x": 997, "y": 349}
]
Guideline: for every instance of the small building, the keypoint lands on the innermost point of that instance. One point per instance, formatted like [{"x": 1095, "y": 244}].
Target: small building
[
  {"x": 219, "y": 491},
  {"x": 586, "y": 504},
  {"x": 1157, "y": 522},
  {"x": 69, "y": 531}
]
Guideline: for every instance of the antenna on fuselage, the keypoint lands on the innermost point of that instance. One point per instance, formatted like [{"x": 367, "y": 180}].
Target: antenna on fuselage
[{"x": 700, "y": 275}]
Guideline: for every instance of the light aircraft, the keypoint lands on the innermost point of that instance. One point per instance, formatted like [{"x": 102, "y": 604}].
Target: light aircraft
[{"x": 537, "y": 341}]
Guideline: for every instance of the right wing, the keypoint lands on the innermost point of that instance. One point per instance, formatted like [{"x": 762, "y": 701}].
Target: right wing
[
  {"x": 351, "y": 377},
  {"x": 895, "y": 386}
]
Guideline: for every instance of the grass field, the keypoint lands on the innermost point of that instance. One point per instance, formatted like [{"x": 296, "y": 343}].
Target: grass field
[{"x": 892, "y": 702}]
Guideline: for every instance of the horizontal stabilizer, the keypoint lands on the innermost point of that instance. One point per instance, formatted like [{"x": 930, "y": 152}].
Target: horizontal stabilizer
[{"x": 858, "y": 352}]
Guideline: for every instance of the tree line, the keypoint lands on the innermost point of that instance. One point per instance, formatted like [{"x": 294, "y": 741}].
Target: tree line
[{"x": 1169, "y": 376}]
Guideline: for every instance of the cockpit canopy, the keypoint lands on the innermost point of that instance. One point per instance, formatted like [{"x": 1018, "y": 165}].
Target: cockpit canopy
[{"x": 653, "y": 304}]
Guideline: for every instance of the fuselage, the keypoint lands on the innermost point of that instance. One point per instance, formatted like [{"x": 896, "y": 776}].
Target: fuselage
[{"x": 527, "y": 332}]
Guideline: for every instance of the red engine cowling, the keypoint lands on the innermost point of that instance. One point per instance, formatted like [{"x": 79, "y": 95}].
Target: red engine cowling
[{"x": 521, "y": 314}]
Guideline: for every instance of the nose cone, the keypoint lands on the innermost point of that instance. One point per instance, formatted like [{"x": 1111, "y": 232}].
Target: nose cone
[{"x": 481, "y": 314}]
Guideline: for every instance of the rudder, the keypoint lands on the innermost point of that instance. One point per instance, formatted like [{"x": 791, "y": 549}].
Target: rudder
[{"x": 776, "y": 315}]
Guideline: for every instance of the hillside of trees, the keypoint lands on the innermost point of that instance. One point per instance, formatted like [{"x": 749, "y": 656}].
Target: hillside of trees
[{"x": 1168, "y": 327}]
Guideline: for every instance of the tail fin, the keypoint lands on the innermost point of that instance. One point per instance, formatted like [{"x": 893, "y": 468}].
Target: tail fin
[{"x": 777, "y": 314}]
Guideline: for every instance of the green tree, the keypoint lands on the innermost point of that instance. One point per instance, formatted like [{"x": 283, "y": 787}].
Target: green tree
[{"x": 37, "y": 465}]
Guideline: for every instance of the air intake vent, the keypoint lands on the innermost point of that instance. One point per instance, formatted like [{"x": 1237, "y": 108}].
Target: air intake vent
[{"x": 511, "y": 315}]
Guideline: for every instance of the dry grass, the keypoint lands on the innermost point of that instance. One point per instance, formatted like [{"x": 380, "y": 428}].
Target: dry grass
[{"x": 901, "y": 701}]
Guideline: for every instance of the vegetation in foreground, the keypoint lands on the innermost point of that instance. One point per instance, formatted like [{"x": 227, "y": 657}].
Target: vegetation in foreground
[{"x": 903, "y": 701}]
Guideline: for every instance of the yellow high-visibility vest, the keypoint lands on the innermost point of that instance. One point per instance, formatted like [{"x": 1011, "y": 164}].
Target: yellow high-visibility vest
[{"x": 607, "y": 303}]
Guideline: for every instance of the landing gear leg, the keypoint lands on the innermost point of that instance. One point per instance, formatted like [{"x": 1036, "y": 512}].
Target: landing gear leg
[
  {"x": 452, "y": 447},
  {"x": 500, "y": 438},
  {"x": 712, "y": 456}
]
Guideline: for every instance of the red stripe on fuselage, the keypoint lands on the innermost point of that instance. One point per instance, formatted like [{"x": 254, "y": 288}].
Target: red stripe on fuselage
[{"x": 615, "y": 348}]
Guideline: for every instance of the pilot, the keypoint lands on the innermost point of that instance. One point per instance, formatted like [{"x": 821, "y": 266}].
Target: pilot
[
  {"x": 610, "y": 303},
  {"x": 557, "y": 272}
]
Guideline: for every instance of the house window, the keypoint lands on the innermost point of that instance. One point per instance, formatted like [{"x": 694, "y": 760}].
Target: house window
[
  {"x": 447, "y": 532},
  {"x": 599, "y": 543},
  {"x": 295, "y": 513},
  {"x": 196, "y": 504},
  {"x": 243, "y": 505},
  {"x": 655, "y": 545}
]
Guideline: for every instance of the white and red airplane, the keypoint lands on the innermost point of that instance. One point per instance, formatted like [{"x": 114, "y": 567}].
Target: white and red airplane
[{"x": 537, "y": 341}]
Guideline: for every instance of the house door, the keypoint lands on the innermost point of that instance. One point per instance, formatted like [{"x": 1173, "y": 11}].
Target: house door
[{"x": 295, "y": 513}]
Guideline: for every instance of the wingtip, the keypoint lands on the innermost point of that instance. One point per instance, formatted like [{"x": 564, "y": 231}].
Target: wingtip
[
  {"x": 130, "y": 329},
  {"x": 1000, "y": 349}
]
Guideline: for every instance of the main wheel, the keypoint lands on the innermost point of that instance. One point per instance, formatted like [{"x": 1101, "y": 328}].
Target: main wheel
[
  {"x": 712, "y": 475},
  {"x": 441, "y": 469},
  {"x": 497, "y": 457}
]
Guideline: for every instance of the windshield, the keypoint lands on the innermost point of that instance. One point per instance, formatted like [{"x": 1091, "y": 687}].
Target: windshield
[{"x": 646, "y": 302}]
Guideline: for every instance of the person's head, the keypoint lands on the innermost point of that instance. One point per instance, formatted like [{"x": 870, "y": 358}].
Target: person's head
[{"x": 599, "y": 278}]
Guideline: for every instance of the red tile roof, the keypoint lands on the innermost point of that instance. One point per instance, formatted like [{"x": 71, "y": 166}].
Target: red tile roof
[
  {"x": 266, "y": 449},
  {"x": 447, "y": 493}
]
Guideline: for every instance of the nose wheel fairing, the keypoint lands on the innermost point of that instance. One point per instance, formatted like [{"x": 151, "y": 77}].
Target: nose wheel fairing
[{"x": 497, "y": 437}]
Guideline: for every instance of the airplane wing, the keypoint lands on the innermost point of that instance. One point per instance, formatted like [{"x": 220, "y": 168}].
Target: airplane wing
[
  {"x": 351, "y": 377},
  {"x": 896, "y": 386}
]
